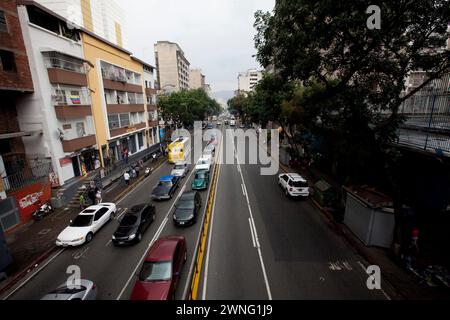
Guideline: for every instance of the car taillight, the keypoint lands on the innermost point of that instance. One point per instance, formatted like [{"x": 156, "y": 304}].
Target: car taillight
[{"x": 94, "y": 286}]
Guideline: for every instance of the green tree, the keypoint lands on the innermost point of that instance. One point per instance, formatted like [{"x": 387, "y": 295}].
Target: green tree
[
  {"x": 351, "y": 77},
  {"x": 186, "y": 106}
]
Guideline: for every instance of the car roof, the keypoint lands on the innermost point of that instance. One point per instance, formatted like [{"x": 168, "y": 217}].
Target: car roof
[
  {"x": 166, "y": 178},
  {"x": 137, "y": 208},
  {"x": 296, "y": 177},
  {"x": 180, "y": 162},
  {"x": 189, "y": 195},
  {"x": 162, "y": 249}
]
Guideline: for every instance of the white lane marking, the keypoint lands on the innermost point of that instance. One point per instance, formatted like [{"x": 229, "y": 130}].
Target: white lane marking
[
  {"x": 80, "y": 253},
  {"x": 108, "y": 243},
  {"x": 120, "y": 215},
  {"x": 34, "y": 274},
  {"x": 205, "y": 275},
  {"x": 158, "y": 232},
  {"x": 251, "y": 231},
  {"x": 243, "y": 191},
  {"x": 266, "y": 280},
  {"x": 365, "y": 271}
]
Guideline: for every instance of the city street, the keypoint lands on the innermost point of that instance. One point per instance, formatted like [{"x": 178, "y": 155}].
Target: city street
[{"x": 299, "y": 256}]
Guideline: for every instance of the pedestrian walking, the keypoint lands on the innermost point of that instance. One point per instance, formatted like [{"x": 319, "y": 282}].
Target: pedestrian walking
[
  {"x": 98, "y": 197},
  {"x": 126, "y": 177},
  {"x": 91, "y": 195},
  {"x": 137, "y": 170},
  {"x": 82, "y": 202}
]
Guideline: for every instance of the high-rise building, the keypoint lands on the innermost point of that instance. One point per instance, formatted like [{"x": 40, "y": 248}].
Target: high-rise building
[
  {"x": 172, "y": 67},
  {"x": 196, "y": 79},
  {"x": 105, "y": 18},
  {"x": 249, "y": 79}
]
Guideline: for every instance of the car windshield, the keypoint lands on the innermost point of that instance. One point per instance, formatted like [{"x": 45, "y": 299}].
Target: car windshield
[
  {"x": 128, "y": 220},
  {"x": 66, "y": 290},
  {"x": 186, "y": 204},
  {"x": 298, "y": 184},
  {"x": 84, "y": 220},
  {"x": 200, "y": 175},
  {"x": 165, "y": 184},
  {"x": 156, "y": 271},
  {"x": 178, "y": 166}
]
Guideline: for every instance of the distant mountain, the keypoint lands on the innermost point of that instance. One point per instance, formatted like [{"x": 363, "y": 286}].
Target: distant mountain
[{"x": 223, "y": 96}]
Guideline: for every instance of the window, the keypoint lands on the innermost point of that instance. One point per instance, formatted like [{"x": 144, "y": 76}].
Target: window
[
  {"x": 100, "y": 213},
  {"x": 3, "y": 25},
  {"x": 43, "y": 19},
  {"x": 7, "y": 61},
  {"x": 80, "y": 130},
  {"x": 113, "y": 121},
  {"x": 140, "y": 140},
  {"x": 124, "y": 119}
]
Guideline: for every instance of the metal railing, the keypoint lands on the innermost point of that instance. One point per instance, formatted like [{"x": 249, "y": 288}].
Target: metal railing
[
  {"x": 64, "y": 96},
  {"x": 60, "y": 61},
  {"x": 427, "y": 125},
  {"x": 26, "y": 176}
]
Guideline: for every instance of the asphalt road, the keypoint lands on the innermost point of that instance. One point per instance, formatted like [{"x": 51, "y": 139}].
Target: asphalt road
[
  {"x": 266, "y": 246},
  {"x": 112, "y": 268}
]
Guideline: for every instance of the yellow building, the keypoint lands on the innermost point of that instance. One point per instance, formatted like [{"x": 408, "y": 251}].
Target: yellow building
[{"x": 119, "y": 99}]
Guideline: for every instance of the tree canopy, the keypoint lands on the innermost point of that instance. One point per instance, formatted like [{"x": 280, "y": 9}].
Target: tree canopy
[{"x": 186, "y": 106}]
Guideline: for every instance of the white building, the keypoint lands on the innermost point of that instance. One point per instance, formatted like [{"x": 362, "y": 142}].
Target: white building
[
  {"x": 152, "y": 109},
  {"x": 105, "y": 18},
  {"x": 196, "y": 79},
  {"x": 172, "y": 67},
  {"x": 60, "y": 106},
  {"x": 248, "y": 80}
]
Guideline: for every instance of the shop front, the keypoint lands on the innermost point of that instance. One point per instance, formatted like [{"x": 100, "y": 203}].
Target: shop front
[
  {"x": 125, "y": 146},
  {"x": 84, "y": 161}
]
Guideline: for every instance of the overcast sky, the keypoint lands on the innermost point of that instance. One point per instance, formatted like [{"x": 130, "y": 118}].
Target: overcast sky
[{"x": 215, "y": 35}]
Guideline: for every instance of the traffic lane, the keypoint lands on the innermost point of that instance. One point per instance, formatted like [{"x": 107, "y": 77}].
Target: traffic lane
[
  {"x": 191, "y": 234},
  {"x": 97, "y": 256},
  {"x": 305, "y": 259},
  {"x": 234, "y": 270}
]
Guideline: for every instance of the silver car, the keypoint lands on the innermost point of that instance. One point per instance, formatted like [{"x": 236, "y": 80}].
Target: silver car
[
  {"x": 86, "y": 291},
  {"x": 180, "y": 169}
]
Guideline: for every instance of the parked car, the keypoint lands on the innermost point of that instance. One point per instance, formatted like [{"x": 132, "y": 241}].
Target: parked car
[
  {"x": 165, "y": 188},
  {"x": 160, "y": 273},
  {"x": 180, "y": 169},
  {"x": 187, "y": 208},
  {"x": 210, "y": 148},
  {"x": 201, "y": 180},
  {"x": 82, "y": 229},
  {"x": 134, "y": 223},
  {"x": 293, "y": 184},
  {"x": 204, "y": 163},
  {"x": 86, "y": 291}
]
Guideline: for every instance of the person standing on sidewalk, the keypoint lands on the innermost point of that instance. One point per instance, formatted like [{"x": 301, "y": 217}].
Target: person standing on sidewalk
[
  {"x": 126, "y": 177},
  {"x": 136, "y": 168},
  {"x": 98, "y": 197},
  {"x": 82, "y": 202},
  {"x": 91, "y": 195}
]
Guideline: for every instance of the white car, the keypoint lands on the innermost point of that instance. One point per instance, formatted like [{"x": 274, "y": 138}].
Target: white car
[
  {"x": 293, "y": 184},
  {"x": 82, "y": 229},
  {"x": 180, "y": 169},
  {"x": 204, "y": 163}
]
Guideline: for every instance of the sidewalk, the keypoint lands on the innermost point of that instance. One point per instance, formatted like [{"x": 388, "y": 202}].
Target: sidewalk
[
  {"x": 35, "y": 242},
  {"x": 396, "y": 281}
]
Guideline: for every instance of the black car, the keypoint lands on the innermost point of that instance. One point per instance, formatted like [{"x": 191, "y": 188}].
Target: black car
[
  {"x": 165, "y": 188},
  {"x": 187, "y": 208},
  {"x": 133, "y": 224}
]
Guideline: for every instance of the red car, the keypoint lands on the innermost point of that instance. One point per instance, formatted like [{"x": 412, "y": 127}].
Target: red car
[{"x": 160, "y": 273}]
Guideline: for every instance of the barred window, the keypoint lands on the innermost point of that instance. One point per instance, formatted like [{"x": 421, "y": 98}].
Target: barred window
[{"x": 3, "y": 25}]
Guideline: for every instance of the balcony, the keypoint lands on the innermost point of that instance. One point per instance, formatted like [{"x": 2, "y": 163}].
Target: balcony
[
  {"x": 124, "y": 108},
  {"x": 116, "y": 78},
  {"x": 64, "y": 69},
  {"x": 150, "y": 91},
  {"x": 127, "y": 129},
  {"x": 68, "y": 112},
  {"x": 78, "y": 143},
  {"x": 153, "y": 123},
  {"x": 152, "y": 107}
]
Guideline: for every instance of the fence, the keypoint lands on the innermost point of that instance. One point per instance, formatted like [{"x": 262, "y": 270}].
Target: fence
[
  {"x": 427, "y": 125},
  {"x": 26, "y": 176}
]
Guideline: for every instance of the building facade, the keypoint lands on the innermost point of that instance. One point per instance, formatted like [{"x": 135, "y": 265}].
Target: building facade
[
  {"x": 196, "y": 79},
  {"x": 172, "y": 66},
  {"x": 15, "y": 83},
  {"x": 105, "y": 18},
  {"x": 249, "y": 79}
]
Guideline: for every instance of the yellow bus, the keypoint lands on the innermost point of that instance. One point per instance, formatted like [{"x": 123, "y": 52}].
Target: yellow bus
[{"x": 179, "y": 150}]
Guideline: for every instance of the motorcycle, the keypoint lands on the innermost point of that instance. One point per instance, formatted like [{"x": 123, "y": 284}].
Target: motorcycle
[
  {"x": 42, "y": 211},
  {"x": 148, "y": 171}
]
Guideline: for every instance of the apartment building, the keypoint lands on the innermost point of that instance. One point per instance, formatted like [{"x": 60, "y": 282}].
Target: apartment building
[
  {"x": 196, "y": 79},
  {"x": 104, "y": 18},
  {"x": 151, "y": 101},
  {"x": 249, "y": 79},
  {"x": 172, "y": 66},
  {"x": 15, "y": 83}
]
